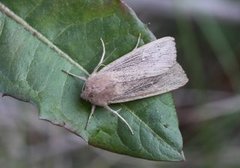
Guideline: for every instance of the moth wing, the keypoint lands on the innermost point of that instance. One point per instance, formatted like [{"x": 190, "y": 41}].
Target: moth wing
[
  {"x": 151, "y": 59},
  {"x": 150, "y": 86}
]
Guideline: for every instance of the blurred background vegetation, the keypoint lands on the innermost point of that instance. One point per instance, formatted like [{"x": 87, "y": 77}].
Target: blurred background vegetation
[{"x": 207, "y": 35}]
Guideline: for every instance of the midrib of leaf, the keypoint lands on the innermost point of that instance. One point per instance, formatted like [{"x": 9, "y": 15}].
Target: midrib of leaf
[
  {"x": 2, "y": 26},
  {"x": 40, "y": 36}
]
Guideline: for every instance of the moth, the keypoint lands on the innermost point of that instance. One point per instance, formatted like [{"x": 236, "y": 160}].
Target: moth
[{"x": 146, "y": 71}]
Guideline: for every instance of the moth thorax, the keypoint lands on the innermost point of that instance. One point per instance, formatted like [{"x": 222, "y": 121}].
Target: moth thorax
[{"x": 99, "y": 89}]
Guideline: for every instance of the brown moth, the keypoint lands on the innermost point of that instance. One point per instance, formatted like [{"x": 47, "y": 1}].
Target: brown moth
[{"x": 146, "y": 71}]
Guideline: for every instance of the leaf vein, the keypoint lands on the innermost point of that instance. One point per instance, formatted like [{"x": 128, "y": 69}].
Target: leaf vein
[
  {"x": 153, "y": 133},
  {"x": 41, "y": 37}
]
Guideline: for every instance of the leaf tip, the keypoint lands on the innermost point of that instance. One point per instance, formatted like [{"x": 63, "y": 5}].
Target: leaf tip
[{"x": 183, "y": 156}]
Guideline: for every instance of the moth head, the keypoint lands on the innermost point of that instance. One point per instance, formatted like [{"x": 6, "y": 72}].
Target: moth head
[{"x": 99, "y": 89}]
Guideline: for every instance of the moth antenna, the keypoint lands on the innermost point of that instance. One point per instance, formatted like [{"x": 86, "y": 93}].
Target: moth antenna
[
  {"x": 119, "y": 116},
  {"x": 73, "y": 75},
  {"x": 102, "y": 58},
  {"x": 90, "y": 116},
  {"x": 109, "y": 55},
  {"x": 138, "y": 41}
]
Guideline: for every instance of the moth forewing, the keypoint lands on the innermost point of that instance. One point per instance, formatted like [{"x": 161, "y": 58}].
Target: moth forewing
[
  {"x": 156, "y": 57},
  {"x": 150, "y": 86}
]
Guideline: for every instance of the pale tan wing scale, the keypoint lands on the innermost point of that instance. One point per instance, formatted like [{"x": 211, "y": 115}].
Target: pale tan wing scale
[
  {"x": 149, "y": 60},
  {"x": 146, "y": 71},
  {"x": 150, "y": 86}
]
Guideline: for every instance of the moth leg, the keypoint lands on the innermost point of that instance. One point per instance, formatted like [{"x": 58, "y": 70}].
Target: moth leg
[
  {"x": 73, "y": 75},
  {"x": 83, "y": 87},
  {"x": 102, "y": 58},
  {"x": 138, "y": 41},
  {"x": 118, "y": 115},
  {"x": 90, "y": 115}
]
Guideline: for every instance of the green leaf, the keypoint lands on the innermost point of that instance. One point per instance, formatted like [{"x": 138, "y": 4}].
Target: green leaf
[{"x": 43, "y": 37}]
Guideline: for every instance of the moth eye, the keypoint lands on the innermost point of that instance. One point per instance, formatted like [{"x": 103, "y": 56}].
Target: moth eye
[{"x": 90, "y": 95}]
